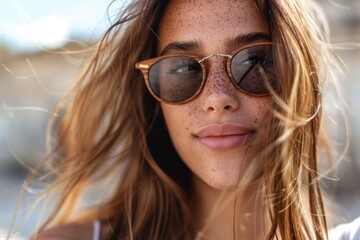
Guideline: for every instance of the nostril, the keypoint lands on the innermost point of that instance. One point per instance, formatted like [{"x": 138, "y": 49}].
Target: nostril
[
  {"x": 227, "y": 107},
  {"x": 211, "y": 109}
]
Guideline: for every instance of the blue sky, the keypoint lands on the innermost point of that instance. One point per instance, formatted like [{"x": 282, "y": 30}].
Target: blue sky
[{"x": 27, "y": 24}]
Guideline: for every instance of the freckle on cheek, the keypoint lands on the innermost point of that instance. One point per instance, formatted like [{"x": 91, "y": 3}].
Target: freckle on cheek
[{"x": 191, "y": 110}]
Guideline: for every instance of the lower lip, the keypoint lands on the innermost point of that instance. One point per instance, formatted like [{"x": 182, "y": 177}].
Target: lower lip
[{"x": 222, "y": 143}]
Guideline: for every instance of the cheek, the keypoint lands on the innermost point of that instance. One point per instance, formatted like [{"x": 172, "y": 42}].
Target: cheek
[
  {"x": 259, "y": 108},
  {"x": 178, "y": 119}
]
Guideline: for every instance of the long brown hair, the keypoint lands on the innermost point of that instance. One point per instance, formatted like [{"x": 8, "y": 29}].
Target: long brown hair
[{"x": 111, "y": 128}]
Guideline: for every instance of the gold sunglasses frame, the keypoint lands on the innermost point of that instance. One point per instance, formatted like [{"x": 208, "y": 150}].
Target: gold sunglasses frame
[{"x": 145, "y": 66}]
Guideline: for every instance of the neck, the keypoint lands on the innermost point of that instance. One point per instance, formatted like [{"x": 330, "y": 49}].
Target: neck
[{"x": 228, "y": 214}]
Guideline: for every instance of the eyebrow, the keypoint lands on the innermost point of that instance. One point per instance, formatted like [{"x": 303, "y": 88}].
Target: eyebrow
[
  {"x": 181, "y": 46},
  {"x": 241, "y": 39}
]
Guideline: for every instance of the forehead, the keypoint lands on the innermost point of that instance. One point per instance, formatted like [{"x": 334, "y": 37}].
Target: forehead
[{"x": 209, "y": 22}]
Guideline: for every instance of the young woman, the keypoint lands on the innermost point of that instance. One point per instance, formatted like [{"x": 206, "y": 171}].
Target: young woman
[{"x": 203, "y": 121}]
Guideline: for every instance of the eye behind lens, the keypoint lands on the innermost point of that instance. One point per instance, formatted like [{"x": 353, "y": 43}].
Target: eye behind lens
[
  {"x": 175, "y": 79},
  {"x": 253, "y": 69}
]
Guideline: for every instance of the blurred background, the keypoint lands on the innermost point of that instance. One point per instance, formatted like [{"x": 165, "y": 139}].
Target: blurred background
[{"x": 34, "y": 74}]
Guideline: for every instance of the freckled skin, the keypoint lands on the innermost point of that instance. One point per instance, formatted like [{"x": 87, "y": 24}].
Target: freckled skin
[{"x": 219, "y": 102}]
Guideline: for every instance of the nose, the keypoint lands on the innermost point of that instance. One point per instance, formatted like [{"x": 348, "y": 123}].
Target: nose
[{"x": 219, "y": 93}]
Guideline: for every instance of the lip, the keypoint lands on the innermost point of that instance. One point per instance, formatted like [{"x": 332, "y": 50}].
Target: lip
[{"x": 220, "y": 137}]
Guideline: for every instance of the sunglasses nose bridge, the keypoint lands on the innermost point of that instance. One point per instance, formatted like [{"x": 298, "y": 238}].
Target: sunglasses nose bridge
[
  {"x": 215, "y": 55},
  {"x": 226, "y": 56}
]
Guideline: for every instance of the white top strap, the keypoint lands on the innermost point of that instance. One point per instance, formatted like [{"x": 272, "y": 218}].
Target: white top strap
[
  {"x": 347, "y": 231},
  {"x": 97, "y": 230}
]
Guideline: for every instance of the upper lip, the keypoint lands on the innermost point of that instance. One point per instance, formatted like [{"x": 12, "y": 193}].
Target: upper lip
[{"x": 218, "y": 130}]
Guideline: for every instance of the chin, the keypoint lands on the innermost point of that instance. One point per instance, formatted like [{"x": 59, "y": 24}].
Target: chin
[{"x": 223, "y": 183}]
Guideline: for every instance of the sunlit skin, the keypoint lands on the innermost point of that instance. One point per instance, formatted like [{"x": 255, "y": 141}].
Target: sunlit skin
[
  {"x": 212, "y": 27},
  {"x": 219, "y": 102}
]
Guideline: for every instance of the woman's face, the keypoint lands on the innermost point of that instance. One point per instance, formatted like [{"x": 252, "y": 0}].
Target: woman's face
[{"x": 216, "y": 133}]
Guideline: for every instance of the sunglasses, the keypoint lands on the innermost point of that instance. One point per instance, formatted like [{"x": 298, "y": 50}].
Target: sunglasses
[{"x": 179, "y": 78}]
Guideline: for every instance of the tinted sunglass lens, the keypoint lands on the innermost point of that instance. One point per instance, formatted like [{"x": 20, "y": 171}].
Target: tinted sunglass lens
[
  {"x": 175, "y": 79},
  {"x": 253, "y": 69}
]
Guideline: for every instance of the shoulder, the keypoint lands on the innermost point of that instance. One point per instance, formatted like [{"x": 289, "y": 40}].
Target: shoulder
[
  {"x": 70, "y": 231},
  {"x": 347, "y": 231}
]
